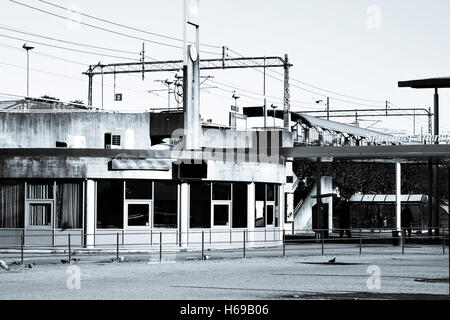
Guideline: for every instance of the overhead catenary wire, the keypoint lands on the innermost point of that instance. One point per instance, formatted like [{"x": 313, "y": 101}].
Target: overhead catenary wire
[
  {"x": 316, "y": 87},
  {"x": 122, "y": 25},
  {"x": 106, "y": 29},
  {"x": 66, "y": 41},
  {"x": 69, "y": 49}
]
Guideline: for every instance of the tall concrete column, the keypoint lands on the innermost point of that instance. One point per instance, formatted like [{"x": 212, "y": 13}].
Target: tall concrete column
[
  {"x": 281, "y": 205},
  {"x": 251, "y": 211},
  {"x": 184, "y": 214},
  {"x": 398, "y": 196},
  {"x": 90, "y": 214}
]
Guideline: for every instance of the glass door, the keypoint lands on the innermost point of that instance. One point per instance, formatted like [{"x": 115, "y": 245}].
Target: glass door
[
  {"x": 137, "y": 214},
  {"x": 221, "y": 214}
]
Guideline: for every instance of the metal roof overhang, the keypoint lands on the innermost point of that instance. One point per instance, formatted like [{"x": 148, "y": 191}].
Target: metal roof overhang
[
  {"x": 426, "y": 83},
  {"x": 338, "y": 127},
  {"x": 392, "y": 153},
  {"x": 316, "y": 122}
]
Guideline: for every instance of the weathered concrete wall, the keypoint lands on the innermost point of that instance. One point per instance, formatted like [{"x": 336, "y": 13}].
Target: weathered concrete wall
[
  {"x": 248, "y": 172},
  {"x": 77, "y": 129},
  {"x": 70, "y": 167}
]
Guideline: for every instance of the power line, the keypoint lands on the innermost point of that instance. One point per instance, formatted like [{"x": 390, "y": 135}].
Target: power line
[
  {"x": 318, "y": 88},
  {"x": 122, "y": 25},
  {"x": 69, "y": 49},
  {"x": 104, "y": 29},
  {"x": 65, "y": 41}
]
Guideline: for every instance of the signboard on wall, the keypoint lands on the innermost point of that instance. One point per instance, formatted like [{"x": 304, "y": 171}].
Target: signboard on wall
[{"x": 141, "y": 164}]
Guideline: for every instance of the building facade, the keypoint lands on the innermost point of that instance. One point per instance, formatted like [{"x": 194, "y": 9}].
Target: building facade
[{"x": 100, "y": 175}]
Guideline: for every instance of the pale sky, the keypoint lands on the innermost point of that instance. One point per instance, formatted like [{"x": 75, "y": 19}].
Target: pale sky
[{"x": 334, "y": 45}]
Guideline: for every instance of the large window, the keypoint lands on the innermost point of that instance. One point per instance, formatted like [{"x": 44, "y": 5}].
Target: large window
[
  {"x": 200, "y": 205},
  {"x": 40, "y": 196},
  {"x": 166, "y": 205},
  {"x": 68, "y": 205},
  {"x": 260, "y": 205},
  {"x": 267, "y": 209},
  {"x": 138, "y": 189},
  {"x": 240, "y": 205},
  {"x": 11, "y": 204},
  {"x": 110, "y": 204}
]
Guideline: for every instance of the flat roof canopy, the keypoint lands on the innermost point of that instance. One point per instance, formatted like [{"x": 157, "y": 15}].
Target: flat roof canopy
[
  {"x": 431, "y": 83},
  {"x": 438, "y": 153}
]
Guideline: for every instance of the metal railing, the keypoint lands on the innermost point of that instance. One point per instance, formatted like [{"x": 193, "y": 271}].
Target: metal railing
[{"x": 222, "y": 243}]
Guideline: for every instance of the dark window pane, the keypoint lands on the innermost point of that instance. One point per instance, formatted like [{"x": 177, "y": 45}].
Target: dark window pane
[
  {"x": 40, "y": 214},
  {"x": 68, "y": 205},
  {"x": 221, "y": 214},
  {"x": 260, "y": 214},
  {"x": 269, "y": 214},
  {"x": 239, "y": 205},
  {"x": 11, "y": 204},
  {"x": 166, "y": 205},
  {"x": 270, "y": 192},
  {"x": 138, "y": 189},
  {"x": 221, "y": 190},
  {"x": 110, "y": 204},
  {"x": 40, "y": 190},
  {"x": 200, "y": 205},
  {"x": 138, "y": 215},
  {"x": 260, "y": 191}
]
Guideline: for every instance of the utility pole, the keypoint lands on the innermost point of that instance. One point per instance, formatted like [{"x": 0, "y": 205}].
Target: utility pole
[
  {"x": 28, "y": 48},
  {"x": 287, "y": 96},
  {"x": 143, "y": 60},
  {"x": 264, "y": 94},
  {"x": 328, "y": 108}
]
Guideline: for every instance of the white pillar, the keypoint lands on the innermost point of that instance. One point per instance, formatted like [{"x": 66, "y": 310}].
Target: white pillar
[
  {"x": 184, "y": 214},
  {"x": 398, "y": 195},
  {"x": 281, "y": 205},
  {"x": 90, "y": 214},
  {"x": 251, "y": 211}
]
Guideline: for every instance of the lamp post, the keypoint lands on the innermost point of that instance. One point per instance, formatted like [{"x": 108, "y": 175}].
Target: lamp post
[
  {"x": 28, "y": 48},
  {"x": 235, "y": 97},
  {"x": 274, "y": 107}
]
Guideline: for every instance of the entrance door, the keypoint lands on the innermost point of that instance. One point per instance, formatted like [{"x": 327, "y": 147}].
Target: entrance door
[
  {"x": 137, "y": 214},
  {"x": 221, "y": 214}
]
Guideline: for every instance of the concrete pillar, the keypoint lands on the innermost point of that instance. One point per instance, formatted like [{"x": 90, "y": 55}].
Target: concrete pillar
[
  {"x": 184, "y": 214},
  {"x": 430, "y": 199},
  {"x": 251, "y": 211},
  {"x": 281, "y": 206},
  {"x": 90, "y": 214},
  {"x": 398, "y": 196}
]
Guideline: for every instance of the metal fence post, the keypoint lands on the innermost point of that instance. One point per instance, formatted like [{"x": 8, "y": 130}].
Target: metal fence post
[
  {"x": 360, "y": 241},
  {"x": 22, "y": 242},
  {"x": 203, "y": 244},
  {"x": 322, "y": 242},
  {"x": 151, "y": 237},
  {"x": 123, "y": 237},
  {"x": 117, "y": 246},
  {"x": 230, "y": 236},
  {"x": 210, "y": 236},
  {"x": 70, "y": 248},
  {"x": 293, "y": 227},
  {"x": 160, "y": 246},
  {"x": 443, "y": 241},
  {"x": 403, "y": 242},
  {"x": 244, "y": 244},
  {"x": 284, "y": 243}
]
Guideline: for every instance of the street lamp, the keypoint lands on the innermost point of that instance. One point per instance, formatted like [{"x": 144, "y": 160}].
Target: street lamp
[
  {"x": 28, "y": 48},
  {"x": 274, "y": 108},
  {"x": 235, "y": 107}
]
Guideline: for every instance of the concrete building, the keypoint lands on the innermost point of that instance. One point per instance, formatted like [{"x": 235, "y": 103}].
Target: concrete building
[{"x": 93, "y": 174}]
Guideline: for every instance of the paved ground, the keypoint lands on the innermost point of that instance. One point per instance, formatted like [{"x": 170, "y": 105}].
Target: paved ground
[{"x": 420, "y": 274}]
